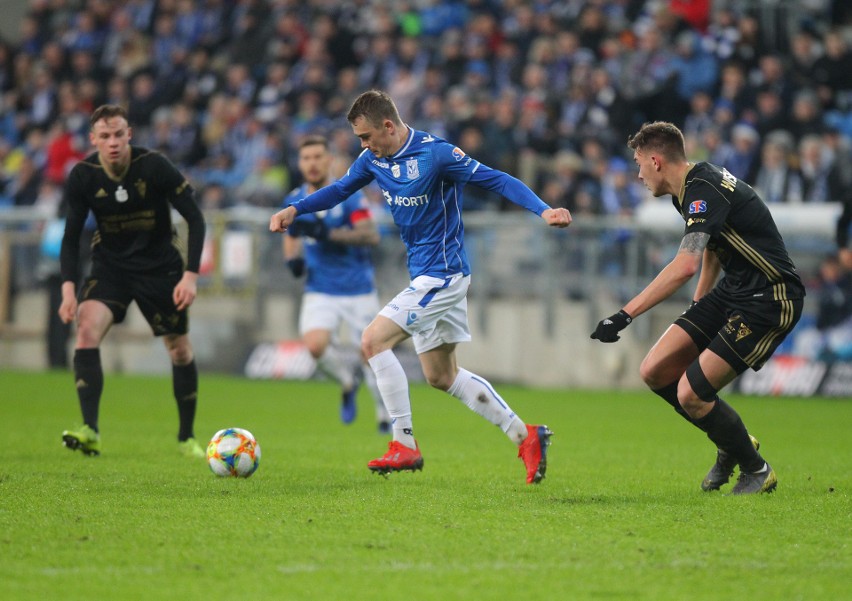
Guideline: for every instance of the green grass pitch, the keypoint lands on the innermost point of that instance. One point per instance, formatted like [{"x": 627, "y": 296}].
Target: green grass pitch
[{"x": 619, "y": 516}]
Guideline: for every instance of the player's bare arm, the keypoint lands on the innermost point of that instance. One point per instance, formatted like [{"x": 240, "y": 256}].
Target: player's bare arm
[
  {"x": 559, "y": 217},
  {"x": 680, "y": 270},
  {"x": 282, "y": 219},
  {"x": 362, "y": 233},
  {"x": 291, "y": 247},
  {"x": 686, "y": 263},
  {"x": 710, "y": 270}
]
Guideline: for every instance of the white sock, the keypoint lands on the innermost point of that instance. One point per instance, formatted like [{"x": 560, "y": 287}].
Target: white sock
[
  {"x": 370, "y": 380},
  {"x": 393, "y": 387},
  {"x": 332, "y": 364},
  {"x": 478, "y": 394}
]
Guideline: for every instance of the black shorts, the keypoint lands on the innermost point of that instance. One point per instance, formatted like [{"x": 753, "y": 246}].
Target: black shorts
[
  {"x": 744, "y": 333},
  {"x": 152, "y": 293}
]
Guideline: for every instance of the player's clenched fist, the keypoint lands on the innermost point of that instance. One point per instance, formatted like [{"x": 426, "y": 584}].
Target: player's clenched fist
[
  {"x": 282, "y": 219},
  {"x": 557, "y": 217},
  {"x": 608, "y": 329}
]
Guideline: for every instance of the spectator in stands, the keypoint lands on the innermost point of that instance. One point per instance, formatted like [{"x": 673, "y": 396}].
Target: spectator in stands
[
  {"x": 695, "y": 69},
  {"x": 806, "y": 116},
  {"x": 700, "y": 116},
  {"x": 822, "y": 179},
  {"x": 777, "y": 181},
  {"x": 844, "y": 222},
  {"x": 831, "y": 337},
  {"x": 832, "y": 70}
]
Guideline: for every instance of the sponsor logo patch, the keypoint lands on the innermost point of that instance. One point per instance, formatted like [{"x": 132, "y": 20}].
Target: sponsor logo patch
[
  {"x": 697, "y": 206},
  {"x": 458, "y": 153}
]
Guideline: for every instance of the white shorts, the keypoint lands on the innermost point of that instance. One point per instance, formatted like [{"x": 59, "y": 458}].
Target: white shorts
[
  {"x": 328, "y": 311},
  {"x": 432, "y": 310}
]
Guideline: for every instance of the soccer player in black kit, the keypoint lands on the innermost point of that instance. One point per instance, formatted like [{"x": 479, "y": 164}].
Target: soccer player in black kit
[
  {"x": 135, "y": 257},
  {"x": 734, "y": 323}
]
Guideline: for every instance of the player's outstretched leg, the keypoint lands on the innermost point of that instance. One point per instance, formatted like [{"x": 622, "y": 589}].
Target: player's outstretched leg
[
  {"x": 479, "y": 395},
  {"x": 533, "y": 452},
  {"x": 723, "y": 469}
]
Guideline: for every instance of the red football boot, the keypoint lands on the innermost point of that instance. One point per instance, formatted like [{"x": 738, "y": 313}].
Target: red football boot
[
  {"x": 534, "y": 452},
  {"x": 398, "y": 458}
]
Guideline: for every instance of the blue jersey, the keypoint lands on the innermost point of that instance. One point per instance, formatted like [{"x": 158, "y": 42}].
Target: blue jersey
[
  {"x": 338, "y": 269},
  {"x": 422, "y": 185}
]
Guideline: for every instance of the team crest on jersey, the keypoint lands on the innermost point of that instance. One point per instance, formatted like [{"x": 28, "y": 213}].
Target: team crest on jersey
[
  {"x": 697, "y": 206},
  {"x": 395, "y": 170},
  {"x": 141, "y": 187},
  {"x": 458, "y": 153},
  {"x": 121, "y": 195},
  {"x": 412, "y": 171}
]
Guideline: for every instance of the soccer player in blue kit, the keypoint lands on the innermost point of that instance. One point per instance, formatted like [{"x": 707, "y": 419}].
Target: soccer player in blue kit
[
  {"x": 332, "y": 247},
  {"x": 421, "y": 178}
]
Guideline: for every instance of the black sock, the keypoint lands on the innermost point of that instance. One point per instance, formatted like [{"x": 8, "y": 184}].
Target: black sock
[
  {"x": 89, "y": 380},
  {"x": 185, "y": 386},
  {"x": 725, "y": 428},
  {"x": 669, "y": 395}
]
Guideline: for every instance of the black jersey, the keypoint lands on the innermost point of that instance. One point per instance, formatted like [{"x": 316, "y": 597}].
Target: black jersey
[
  {"x": 135, "y": 231},
  {"x": 743, "y": 234}
]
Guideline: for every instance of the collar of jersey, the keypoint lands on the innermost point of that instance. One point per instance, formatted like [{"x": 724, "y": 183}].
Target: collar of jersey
[{"x": 407, "y": 142}]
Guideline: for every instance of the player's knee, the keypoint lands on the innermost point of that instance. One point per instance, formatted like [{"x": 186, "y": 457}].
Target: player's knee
[
  {"x": 652, "y": 374},
  {"x": 89, "y": 335},
  {"x": 316, "y": 349},
  {"x": 441, "y": 381},
  {"x": 180, "y": 350},
  {"x": 370, "y": 344}
]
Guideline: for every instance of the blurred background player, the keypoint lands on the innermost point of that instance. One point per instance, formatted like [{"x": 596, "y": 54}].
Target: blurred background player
[
  {"x": 333, "y": 249},
  {"x": 135, "y": 257},
  {"x": 732, "y": 325},
  {"x": 421, "y": 178}
]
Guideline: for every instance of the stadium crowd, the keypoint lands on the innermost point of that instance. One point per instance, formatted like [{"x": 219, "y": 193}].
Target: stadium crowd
[{"x": 547, "y": 91}]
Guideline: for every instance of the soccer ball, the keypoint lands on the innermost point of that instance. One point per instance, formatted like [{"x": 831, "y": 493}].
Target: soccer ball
[{"x": 233, "y": 452}]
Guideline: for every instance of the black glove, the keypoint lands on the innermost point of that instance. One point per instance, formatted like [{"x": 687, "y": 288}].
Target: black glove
[
  {"x": 297, "y": 266},
  {"x": 313, "y": 228},
  {"x": 608, "y": 329}
]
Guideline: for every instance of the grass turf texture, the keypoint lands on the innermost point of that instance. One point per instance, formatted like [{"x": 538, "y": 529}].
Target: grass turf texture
[{"x": 619, "y": 516}]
